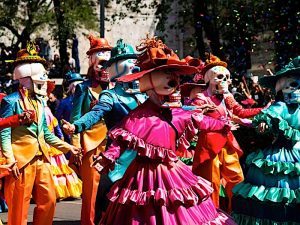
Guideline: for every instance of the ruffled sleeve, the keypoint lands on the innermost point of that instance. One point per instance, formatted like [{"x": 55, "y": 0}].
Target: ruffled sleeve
[
  {"x": 275, "y": 115},
  {"x": 128, "y": 140}
]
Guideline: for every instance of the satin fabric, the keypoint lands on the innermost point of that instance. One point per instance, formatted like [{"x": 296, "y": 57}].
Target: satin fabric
[
  {"x": 273, "y": 177},
  {"x": 36, "y": 180},
  {"x": 92, "y": 142},
  {"x": 83, "y": 98},
  {"x": 90, "y": 181},
  {"x": 67, "y": 183},
  {"x": 11, "y": 121},
  {"x": 230, "y": 172},
  {"x": 156, "y": 187},
  {"x": 23, "y": 142},
  {"x": 218, "y": 152},
  {"x": 29, "y": 146}
]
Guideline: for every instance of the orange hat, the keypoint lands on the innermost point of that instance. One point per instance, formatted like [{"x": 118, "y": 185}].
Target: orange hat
[
  {"x": 154, "y": 56},
  {"x": 29, "y": 55},
  {"x": 98, "y": 44},
  {"x": 212, "y": 61}
]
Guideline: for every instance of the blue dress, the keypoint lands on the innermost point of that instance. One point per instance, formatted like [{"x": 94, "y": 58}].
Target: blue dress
[{"x": 270, "y": 193}]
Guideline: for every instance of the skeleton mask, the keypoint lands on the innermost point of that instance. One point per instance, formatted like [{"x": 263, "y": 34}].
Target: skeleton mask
[
  {"x": 121, "y": 68},
  {"x": 96, "y": 60},
  {"x": 290, "y": 87},
  {"x": 37, "y": 73},
  {"x": 219, "y": 79},
  {"x": 162, "y": 82},
  {"x": 173, "y": 100}
]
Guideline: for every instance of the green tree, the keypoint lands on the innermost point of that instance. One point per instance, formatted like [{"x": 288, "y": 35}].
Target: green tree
[
  {"x": 231, "y": 27},
  {"x": 23, "y": 17}
]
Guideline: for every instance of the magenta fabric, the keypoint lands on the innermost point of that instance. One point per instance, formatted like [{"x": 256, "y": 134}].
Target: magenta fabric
[{"x": 157, "y": 189}]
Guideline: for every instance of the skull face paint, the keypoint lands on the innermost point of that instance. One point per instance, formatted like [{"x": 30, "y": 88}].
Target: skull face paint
[
  {"x": 290, "y": 87},
  {"x": 219, "y": 79}
]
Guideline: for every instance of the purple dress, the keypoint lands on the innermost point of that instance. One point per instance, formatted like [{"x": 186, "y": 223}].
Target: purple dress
[{"x": 157, "y": 188}]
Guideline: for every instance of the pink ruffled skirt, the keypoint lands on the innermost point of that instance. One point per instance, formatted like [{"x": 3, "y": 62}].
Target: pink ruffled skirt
[{"x": 152, "y": 193}]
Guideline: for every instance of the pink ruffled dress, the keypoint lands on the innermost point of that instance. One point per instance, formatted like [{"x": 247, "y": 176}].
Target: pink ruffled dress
[{"x": 157, "y": 188}]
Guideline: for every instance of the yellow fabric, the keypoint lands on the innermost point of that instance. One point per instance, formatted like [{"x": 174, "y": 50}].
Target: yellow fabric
[
  {"x": 224, "y": 166},
  {"x": 95, "y": 91},
  {"x": 61, "y": 170},
  {"x": 91, "y": 139},
  {"x": 36, "y": 180},
  {"x": 26, "y": 142},
  {"x": 63, "y": 191}
]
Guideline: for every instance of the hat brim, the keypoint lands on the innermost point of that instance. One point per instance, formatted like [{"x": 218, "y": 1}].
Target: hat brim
[
  {"x": 180, "y": 70},
  {"x": 120, "y": 57},
  {"x": 93, "y": 50},
  {"x": 270, "y": 80},
  {"x": 186, "y": 88},
  {"x": 30, "y": 59},
  {"x": 213, "y": 64}
]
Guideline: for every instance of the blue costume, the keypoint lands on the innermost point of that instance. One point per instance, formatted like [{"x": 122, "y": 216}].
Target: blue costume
[
  {"x": 113, "y": 106},
  {"x": 65, "y": 106}
]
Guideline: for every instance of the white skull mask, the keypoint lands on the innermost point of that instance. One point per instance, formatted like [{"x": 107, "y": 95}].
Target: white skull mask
[
  {"x": 37, "y": 74},
  {"x": 122, "y": 67},
  {"x": 97, "y": 58},
  {"x": 219, "y": 79},
  {"x": 290, "y": 87},
  {"x": 164, "y": 83}
]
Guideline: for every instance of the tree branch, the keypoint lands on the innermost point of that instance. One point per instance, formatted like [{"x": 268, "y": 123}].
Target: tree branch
[{"x": 11, "y": 28}]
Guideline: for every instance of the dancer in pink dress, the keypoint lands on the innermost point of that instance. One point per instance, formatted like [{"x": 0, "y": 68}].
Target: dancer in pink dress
[{"x": 157, "y": 188}]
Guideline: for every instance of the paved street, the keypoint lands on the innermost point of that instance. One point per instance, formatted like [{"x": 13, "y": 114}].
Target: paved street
[{"x": 67, "y": 213}]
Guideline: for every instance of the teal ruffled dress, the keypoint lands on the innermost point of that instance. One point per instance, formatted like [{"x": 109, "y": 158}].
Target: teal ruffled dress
[{"x": 270, "y": 193}]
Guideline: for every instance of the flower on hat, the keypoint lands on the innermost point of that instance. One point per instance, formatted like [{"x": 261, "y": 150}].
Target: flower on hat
[
  {"x": 155, "y": 55},
  {"x": 29, "y": 55},
  {"x": 121, "y": 51},
  {"x": 212, "y": 61}
]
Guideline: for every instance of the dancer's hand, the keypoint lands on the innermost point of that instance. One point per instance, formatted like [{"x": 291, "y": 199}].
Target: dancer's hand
[
  {"x": 68, "y": 127},
  {"x": 15, "y": 171},
  {"x": 262, "y": 127},
  {"x": 77, "y": 155},
  {"x": 26, "y": 117},
  {"x": 7, "y": 167},
  {"x": 207, "y": 108},
  {"x": 269, "y": 104}
]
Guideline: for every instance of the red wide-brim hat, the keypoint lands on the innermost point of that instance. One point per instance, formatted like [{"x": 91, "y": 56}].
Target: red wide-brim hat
[
  {"x": 186, "y": 88},
  {"x": 179, "y": 70}
]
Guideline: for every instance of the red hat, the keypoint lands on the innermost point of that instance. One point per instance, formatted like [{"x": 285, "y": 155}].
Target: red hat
[
  {"x": 98, "y": 44},
  {"x": 186, "y": 88},
  {"x": 154, "y": 56},
  {"x": 212, "y": 61},
  {"x": 50, "y": 87}
]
